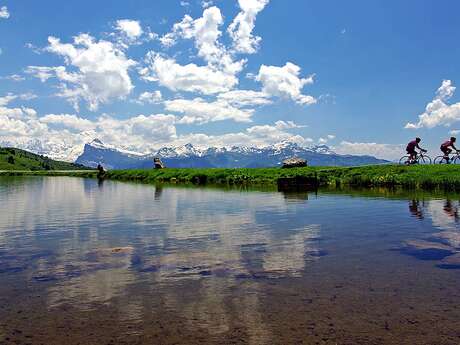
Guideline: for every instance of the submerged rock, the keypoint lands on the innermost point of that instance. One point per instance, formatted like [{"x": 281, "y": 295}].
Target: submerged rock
[
  {"x": 294, "y": 162},
  {"x": 450, "y": 262},
  {"x": 451, "y": 238},
  {"x": 121, "y": 250},
  {"x": 426, "y": 250},
  {"x": 107, "y": 253}
]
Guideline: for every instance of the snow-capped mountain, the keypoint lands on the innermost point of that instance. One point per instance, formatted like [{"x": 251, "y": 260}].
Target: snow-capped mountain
[
  {"x": 61, "y": 151},
  {"x": 188, "y": 155},
  {"x": 187, "y": 150}
]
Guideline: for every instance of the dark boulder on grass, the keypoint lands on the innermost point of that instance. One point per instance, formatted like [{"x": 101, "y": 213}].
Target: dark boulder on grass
[
  {"x": 294, "y": 162},
  {"x": 158, "y": 164}
]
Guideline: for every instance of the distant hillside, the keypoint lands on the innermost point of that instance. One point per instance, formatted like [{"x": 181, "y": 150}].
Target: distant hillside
[
  {"x": 188, "y": 156},
  {"x": 17, "y": 159}
]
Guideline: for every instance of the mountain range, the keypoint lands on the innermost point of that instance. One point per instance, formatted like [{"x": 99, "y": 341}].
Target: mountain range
[{"x": 189, "y": 156}]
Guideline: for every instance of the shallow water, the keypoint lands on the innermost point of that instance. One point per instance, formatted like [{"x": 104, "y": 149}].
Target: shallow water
[{"x": 89, "y": 263}]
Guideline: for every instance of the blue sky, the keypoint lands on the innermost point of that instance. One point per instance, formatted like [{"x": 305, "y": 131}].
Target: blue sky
[{"x": 148, "y": 74}]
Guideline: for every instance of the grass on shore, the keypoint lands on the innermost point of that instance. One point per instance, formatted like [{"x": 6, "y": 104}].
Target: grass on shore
[
  {"x": 71, "y": 173},
  {"x": 422, "y": 176},
  {"x": 427, "y": 176}
]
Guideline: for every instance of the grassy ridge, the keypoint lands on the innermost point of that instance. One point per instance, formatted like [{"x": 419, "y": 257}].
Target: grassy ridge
[
  {"x": 430, "y": 176},
  {"x": 425, "y": 177},
  {"x": 16, "y": 159}
]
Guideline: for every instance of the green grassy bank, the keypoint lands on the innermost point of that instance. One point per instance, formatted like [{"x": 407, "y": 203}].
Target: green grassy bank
[
  {"x": 432, "y": 176},
  {"x": 18, "y": 160},
  {"x": 429, "y": 176}
]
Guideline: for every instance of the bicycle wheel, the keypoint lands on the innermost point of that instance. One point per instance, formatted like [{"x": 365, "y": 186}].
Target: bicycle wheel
[
  {"x": 404, "y": 160},
  {"x": 424, "y": 160},
  {"x": 456, "y": 160},
  {"x": 440, "y": 160}
]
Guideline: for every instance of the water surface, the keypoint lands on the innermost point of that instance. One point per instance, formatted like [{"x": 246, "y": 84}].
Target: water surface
[{"x": 89, "y": 263}]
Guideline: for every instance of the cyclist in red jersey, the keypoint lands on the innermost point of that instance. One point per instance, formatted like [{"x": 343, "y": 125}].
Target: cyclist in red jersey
[
  {"x": 411, "y": 149},
  {"x": 445, "y": 148}
]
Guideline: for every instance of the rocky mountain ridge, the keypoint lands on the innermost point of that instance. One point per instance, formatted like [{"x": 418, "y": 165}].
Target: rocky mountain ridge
[{"x": 188, "y": 155}]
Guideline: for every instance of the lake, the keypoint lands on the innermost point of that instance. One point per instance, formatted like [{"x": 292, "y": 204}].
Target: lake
[{"x": 83, "y": 262}]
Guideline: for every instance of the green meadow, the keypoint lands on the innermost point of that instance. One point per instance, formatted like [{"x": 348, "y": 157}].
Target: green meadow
[
  {"x": 428, "y": 176},
  {"x": 19, "y": 160},
  {"x": 418, "y": 176}
]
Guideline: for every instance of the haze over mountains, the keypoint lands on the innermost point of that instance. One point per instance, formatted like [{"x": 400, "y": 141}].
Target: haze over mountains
[{"x": 189, "y": 156}]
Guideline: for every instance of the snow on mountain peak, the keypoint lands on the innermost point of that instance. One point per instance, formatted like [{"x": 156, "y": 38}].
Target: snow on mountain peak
[
  {"x": 324, "y": 149},
  {"x": 189, "y": 150},
  {"x": 237, "y": 156},
  {"x": 97, "y": 143}
]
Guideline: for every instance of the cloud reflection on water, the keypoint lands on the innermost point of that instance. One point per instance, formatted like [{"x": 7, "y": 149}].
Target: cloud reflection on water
[
  {"x": 168, "y": 235},
  {"x": 442, "y": 246}
]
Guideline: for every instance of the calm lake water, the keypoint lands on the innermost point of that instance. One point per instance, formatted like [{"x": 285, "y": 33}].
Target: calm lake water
[{"x": 121, "y": 263}]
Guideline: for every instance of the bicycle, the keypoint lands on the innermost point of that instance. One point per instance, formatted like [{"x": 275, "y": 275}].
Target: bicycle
[
  {"x": 455, "y": 159},
  {"x": 421, "y": 158}
]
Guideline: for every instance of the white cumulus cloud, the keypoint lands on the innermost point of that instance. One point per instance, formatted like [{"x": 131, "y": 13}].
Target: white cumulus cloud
[
  {"x": 100, "y": 71},
  {"x": 5, "y": 100},
  {"x": 58, "y": 135},
  {"x": 139, "y": 133},
  {"x": 44, "y": 73},
  {"x": 205, "y": 31},
  {"x": 68, "y": 121},
  {"x": 384, "y": 151},
  {"x": 14, "y": 77},
  {"x": 241, "y": 98},
  {"x": 4, "y": 13},
  {"x": 240, "y": 30},
  {"x": 130, "y": 32},
  {"x": 150, "y": 97},
  {"x": 438, "y": 112},
  {"x": 285, "y": 82},
  {"x": 131, "y": 28},
  {"x": 255, "y": 136},
  {"x": 283, "y": 125},
  {"x": 199, "y": 111},
  {"x": 190, "y": 77},
  {"x": 206, "y": 3},
  {"x": 62, "y": 136},
  {"x": 326, "y": 139}
]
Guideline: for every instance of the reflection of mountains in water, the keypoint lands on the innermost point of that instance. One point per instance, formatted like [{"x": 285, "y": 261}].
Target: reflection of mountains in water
[
  {"x": 442, "y": 246},
  {"x": 164, "y": 236}
]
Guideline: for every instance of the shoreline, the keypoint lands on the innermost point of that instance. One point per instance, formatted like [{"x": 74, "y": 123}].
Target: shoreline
[{"x": 445, "y": 177}]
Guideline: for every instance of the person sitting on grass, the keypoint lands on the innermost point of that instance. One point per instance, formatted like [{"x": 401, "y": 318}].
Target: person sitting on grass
[
  {"x": 411, "y": 150},
  {"x": 446, "y": 148}
]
